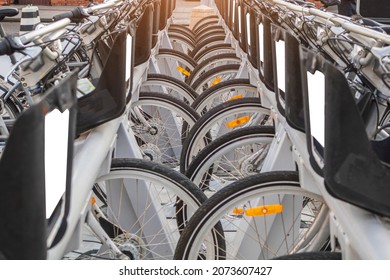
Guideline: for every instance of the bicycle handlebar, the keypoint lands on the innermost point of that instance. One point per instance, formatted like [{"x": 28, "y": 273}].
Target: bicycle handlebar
[
  {"x": 102, "y": 6},
  {"x": 79, "y": 13},
  {"x": 75, "y": 15},
  {"x": 337, "y": 20},
  {"x": 30, "y": 36}
]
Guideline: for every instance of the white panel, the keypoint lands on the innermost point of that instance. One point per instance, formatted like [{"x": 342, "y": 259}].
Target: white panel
[
  {"x": 129, "y": 57},
  {"x": 239, "y": 19},
  {"x": 56, "y": 157},
  {"x": 234, "y": 11},
  {"x": 248, "y": 28},
  {"x": 281, "y": 64},
  {"x": 316, "y": 93},
  {"x": 261, "y": 42}
]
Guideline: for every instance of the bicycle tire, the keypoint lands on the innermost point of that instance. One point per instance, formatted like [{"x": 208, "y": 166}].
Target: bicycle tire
[
  {"x": 312, "y": 256},
  {"x": 204, "y": 22},
  {"x": 184, "y": 91},
  {"x": 182, "y": 27},
  {"x": 207, "y": 44},
  {"x": 228, "y": 157},
  {"x": 209, "y": 34},
  {"x": 183, "y": 32},
  {"x": 12, "y": 108},
  {"x": 207, "y": 79},
  {"x": 169, "y": 120},
  {"x": 222, "y": 92},
  {"x": 210, "y": 62},
  {"x": 228, "y": 111},
  {"x": 303, "y": 218},
  {"x": 213, "y": 50},
  {"x": 208, "y": 28},
  {"x": 182, "y": 40},
  {"x": 163, "y": 186},
  {"x": 178, "y": 56}
]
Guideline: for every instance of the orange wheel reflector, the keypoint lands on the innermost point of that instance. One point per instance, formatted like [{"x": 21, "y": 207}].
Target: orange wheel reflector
[
  {"x": 238, "y": 122},
  {"x": 183, "y": 71},
  {"x": 263, "y": 210}
]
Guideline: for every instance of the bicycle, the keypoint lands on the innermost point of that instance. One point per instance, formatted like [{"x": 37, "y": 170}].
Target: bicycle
[{"x": 101, "y": 135}]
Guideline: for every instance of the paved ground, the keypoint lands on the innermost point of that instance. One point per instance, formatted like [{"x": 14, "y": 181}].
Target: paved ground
[{"x": 181, "y": 15}]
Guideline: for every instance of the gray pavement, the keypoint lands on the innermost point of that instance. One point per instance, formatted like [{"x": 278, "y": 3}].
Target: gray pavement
[
  {"x": 45, "y": 12},
  {"x": 181, "y": 15},
  {"x": 182, "y": 11}
]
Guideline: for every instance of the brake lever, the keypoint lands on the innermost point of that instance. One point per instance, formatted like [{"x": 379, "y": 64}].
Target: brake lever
[{"x": 30, "y": 54}]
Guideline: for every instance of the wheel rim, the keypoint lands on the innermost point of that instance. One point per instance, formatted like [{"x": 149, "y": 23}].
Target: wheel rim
[{"x": 259, "y": 241}]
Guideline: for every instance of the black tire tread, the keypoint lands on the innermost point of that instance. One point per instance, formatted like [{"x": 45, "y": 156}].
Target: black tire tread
[
  {"x": 179, "y": 54},
  {"x": 222, "y": 85},
  {"x": 221, "y": 142},
  {"x": 207, "y": 62},
  {"x": 212, "y": 72},
  {"x": 209, "y": 117},
  {"x": 236, "y": 188},
  {"x": 178, "y": 83}
]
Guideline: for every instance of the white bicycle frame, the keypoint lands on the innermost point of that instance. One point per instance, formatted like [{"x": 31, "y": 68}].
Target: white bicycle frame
[
  {"x": 92, "y": 158},
  {"x": 359, "y": 234}
]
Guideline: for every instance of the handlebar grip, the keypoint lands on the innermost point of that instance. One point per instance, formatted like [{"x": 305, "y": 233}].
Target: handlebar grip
[
  {"x": 75, "y": 15},
  {"x": 5, "y": 47}
]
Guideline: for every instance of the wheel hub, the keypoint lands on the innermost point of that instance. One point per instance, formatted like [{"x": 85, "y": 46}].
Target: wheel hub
[
  {"x": 131, "y": 245},
  {"x": 151, "y": 152},
  {"x": 246, "y": 166}
]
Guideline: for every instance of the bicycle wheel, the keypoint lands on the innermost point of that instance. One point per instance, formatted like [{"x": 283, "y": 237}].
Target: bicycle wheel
[
  {"x": 182, "y": 28},
  {"x": 263, "y": 216},
  {"x": 208, "y": 34},
  {"x": 182, "y": 31},
  {"x": 222, "y": 92},
  {"x": 10, "y": 108},
  {"x": 231, "y": 157},
  {"x": 213, "y": 50},
  {"x": 142, "y": 216},
  {"x": 165, "y": 125},
  {"x": 168, "y": 60},
  {"x": 219, "y": 120},
  {"x": 204, "y": 23},
  {"x": 214, "y": 77},
  {"x": 312, "y": 256},
  {"x": 9, "y": 111},
  {"x": 210, "y": 63},
  {"x": 171, "y": 86},
  {"x": 208, "y": 43},
  {"x": 208, "y": 28},
  {"x": 181, "y": 43}
]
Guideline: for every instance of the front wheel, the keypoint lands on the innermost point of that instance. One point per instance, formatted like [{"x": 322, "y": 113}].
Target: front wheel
[
  {"x": 263, "y": 216},
  {"x": 146, "y": 205}
]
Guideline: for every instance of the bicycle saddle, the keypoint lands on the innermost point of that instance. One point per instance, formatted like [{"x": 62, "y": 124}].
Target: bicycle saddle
[{"x": 8, "y": 12}]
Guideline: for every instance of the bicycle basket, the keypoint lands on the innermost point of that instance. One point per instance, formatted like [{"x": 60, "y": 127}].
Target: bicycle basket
[
  {"x": 378, "y": 10},
  {"x": 352, "y": 170},
  {"x": 108, "y": 99},
  {"x": 30, "y": 201}
]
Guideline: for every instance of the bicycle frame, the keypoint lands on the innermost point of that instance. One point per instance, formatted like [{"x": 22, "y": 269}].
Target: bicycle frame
[{"x": 351, "y": 228}]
